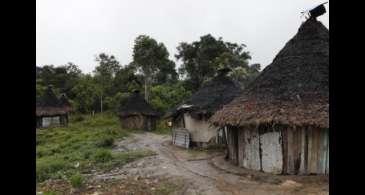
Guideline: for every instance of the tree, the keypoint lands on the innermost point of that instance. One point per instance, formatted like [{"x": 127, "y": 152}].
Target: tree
[
  {"x": 104, "y": 75},
  {"x": 86, "y": 95},
  {"x": 168, "y": 95},
  {"x": 149, "y": 56},
  {"x": 126, "y": 79},
  {"x": 201, "y": 59},
  {"x": 167, "y": 73}
]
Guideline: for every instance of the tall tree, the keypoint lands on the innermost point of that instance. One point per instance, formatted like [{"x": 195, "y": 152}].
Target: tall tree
[
  {"x": 105, "y": 72},
  {"x": 201, "y": 59},
  {"x": 149, "y": 56},
  {"x": 126, "y": 79}
]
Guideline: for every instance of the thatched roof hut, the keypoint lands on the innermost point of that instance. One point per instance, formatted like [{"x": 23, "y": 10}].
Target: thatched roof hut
[
  {"x": 194, "y": 112},
  {"x": 136, "y": 113},
  {"x": 51, "y": 110},
  {"x": 280, "y": 122},
  {"x": 209, "y": 98},
  {"x": 292, "y": 90}
]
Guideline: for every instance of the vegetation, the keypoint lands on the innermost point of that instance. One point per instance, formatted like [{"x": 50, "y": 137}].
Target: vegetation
[
  {"x": 84, "y": 145},
  {"x": 77, "y": 180},
  {"x": 151, "y": 69}
]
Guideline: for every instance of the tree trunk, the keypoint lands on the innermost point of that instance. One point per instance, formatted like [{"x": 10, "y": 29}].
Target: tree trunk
[
  {"x": 101, "y": 103},
  {"x": 146, "y": 88}
]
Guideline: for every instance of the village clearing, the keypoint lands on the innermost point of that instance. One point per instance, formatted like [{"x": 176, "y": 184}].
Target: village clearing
[{"x": 93, "y": 155}]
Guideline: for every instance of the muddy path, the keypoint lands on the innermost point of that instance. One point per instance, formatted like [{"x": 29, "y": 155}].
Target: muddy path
[{"x": 203, "y": 172}]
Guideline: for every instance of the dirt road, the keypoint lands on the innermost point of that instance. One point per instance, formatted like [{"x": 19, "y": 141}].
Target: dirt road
[{"x": 205, "y": 172}]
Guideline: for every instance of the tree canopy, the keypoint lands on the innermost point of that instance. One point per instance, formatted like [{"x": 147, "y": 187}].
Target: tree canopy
[{"x": 151, "y": 69}]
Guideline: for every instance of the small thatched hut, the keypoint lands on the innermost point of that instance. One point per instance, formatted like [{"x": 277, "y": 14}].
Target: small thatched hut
[
  {"x": 51, "y": 110},
  {"x": 279, "y": 124},
  {"x": 136, "y": 113},
  {"x": 193, "y": 114}
]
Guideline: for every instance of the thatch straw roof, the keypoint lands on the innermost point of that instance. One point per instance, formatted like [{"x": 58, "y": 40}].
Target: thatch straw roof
[
  {"x": 292, "y": 90},
  {"x": 209, "y": 98},
  {"x": 50, "y": 105},
  {"x": 136, "y": 105}
]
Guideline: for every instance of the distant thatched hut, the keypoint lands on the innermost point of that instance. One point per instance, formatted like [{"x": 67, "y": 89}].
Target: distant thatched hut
[
  {"x": 51, "y": 111},
  {"x": 280, "y": 122},
  {"x": 193, "y": 114},
  {"x": 136, "y": 113}
]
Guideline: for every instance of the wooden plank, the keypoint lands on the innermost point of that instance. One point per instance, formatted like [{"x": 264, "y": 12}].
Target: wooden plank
[
  {"x": 241, "y": 147},
  {"x": 309, "y": 151},
  {"x": 297, "y": 150},
  {"x": 303, "y": 154},
  {"x": 324, "y": 151},
  {"x": 327, "y": 153},
  {"x": 251, "y": 150},
  {"x": 287, "y": 139}
]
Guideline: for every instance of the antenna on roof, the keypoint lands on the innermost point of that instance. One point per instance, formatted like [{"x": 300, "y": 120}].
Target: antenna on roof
[{"x": 314, "y": 12}]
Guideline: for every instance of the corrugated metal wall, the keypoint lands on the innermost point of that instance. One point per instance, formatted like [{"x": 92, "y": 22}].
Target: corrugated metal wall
[{"x": 181, "y": 137}]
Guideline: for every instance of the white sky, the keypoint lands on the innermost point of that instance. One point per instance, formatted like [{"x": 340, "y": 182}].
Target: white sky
[{"x": 77, "y": 30}]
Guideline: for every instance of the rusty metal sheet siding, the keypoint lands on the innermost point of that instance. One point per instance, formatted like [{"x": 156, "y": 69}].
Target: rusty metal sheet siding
[
  {"x": 272, "y": 154},
  {"x": 251, "y": 158}
]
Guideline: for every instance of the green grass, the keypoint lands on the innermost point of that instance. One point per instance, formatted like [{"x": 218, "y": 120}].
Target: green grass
[
  {"x": 87, "y": 142},
  {"x": 77, "y": 180},
  {"x": 162, "y": 128}
]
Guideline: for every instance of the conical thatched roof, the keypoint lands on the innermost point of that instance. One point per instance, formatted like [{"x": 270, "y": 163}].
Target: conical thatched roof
[
  {"x": 135, "y": 105},
  {"x": 292, "y": 90},
  {"x": 49, "y": 104},
  {"x": 210, "y": 98}
]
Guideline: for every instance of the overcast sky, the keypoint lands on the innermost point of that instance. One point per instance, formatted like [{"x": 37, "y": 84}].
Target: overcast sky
[{"x": 76, "y": 30}]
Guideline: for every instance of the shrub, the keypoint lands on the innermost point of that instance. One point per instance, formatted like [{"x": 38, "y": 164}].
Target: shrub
[
  {"x": 105, "y": 141},
  {"x": 77, "y": 180},
  {"x": 79, "y": 118},
  {"x": 49, "y": 193},
  {"x": 47, "y": 167},
  {"x": 103, "y": 156}
]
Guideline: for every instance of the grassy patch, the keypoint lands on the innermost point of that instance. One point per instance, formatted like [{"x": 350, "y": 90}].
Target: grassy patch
[
  {"x": 162, "y": 128},
  {"x": 83, "y": 145},
  {"x": 77, "y": 180}
]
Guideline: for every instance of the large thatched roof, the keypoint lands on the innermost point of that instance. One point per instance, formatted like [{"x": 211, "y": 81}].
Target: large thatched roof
[
  {"x": 292, "y": 90},
  {"x": 49, "y": 104},
  {"x": 209, "y": 98},
  {"x": 136, "y": 105}
]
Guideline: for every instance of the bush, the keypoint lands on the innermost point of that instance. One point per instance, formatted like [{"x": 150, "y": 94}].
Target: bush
[
  {"x": 106, "y": 141},
  {"x": 47, "y": 167},
  {"x": 77, "y": 180},
  {"x": 103, "y": 156},
  {"x": 79, "y": 118}
]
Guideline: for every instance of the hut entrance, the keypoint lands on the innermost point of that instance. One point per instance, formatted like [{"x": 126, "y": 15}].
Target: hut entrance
[
  {"x": 148, "y": 124},
  {"x": 271, "y": 152}
]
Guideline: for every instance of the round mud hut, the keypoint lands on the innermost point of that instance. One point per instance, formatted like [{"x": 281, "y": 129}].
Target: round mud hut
[
  {"x": 190, "y": 119},
  {"x": 280, "y": 123},
  {"x": 51, "y": 110},
  {"x": 136, "y": 113}
]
